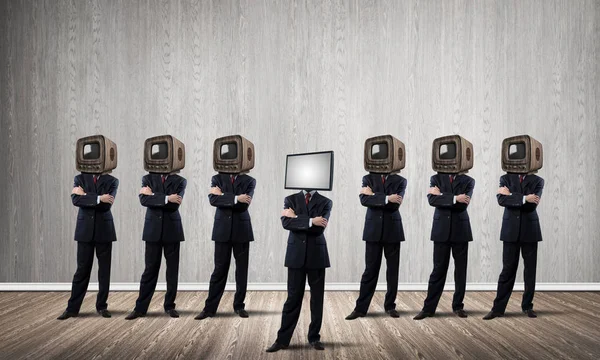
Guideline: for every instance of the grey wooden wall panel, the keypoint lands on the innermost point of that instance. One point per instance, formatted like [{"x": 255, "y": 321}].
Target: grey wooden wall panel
[{"x": 297, "y": 76}]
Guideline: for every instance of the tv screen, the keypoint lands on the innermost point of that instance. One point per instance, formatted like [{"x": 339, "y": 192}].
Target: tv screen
[
  {"x": 159, "y": 151},
  {"x": 448, "y": 151},
  {"x": 310, "y": 171},
  {"x": 517, "y": 151},
  {"x": 379, "y": 151},
  {"x": 91, "y": 151},
  {"x": 229, "y": 151}
]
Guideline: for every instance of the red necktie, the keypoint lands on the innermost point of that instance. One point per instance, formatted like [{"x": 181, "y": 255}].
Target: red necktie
[
  {"x": 451, "y": 179},
  {"x": 95, "y": 179},
  {"x": 383, "y": 179},
  {"x": 521, "y": 178},
  {"x": 232, "y": 179},
  {"x": 163, "y": 177},
  {"x": 307, "y": 198}
]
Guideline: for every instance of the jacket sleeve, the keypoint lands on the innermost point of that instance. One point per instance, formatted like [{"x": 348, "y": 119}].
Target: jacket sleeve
[
  {"x": 89, "y": 200},
  {"x": 539, "y": 187},
  {"x": 469, "y": 192},
  {"x": 439, "y": 201},
  {"x": 509, "y": 201},
  {"x": 180, "y": 191},
  {"x": 318, "y": 230},
  {"x": 299, "y": 223},
  {"x": 112, "y": 191},
  {"x": 240, "y": 206},
  {"x": 377, "y": 200},
  {"x": 221, "y": 201},
  {"x": 153, "y": 201},
  {"x": 400, "y": 190}
]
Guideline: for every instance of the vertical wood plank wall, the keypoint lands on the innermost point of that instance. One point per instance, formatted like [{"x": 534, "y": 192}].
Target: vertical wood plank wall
[{"x": 296, "y": 76}]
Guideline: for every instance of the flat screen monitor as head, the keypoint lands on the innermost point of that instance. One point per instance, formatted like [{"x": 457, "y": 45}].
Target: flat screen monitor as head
[{"x": 309, "y": 171}]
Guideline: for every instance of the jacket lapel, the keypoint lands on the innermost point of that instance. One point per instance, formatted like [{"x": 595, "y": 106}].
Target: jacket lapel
[
  {"x": 302, "y": 209},
  {"x": 313, "y": 201}
]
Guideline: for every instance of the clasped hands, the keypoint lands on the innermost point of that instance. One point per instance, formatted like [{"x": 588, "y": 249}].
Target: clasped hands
[
  {"x": 244, "y": 198},
  {"x": 531, "y": 198},
  {"x": 173, "y": 198},
  {"x": 395, "y": 198},
  {"x": 106, "y": 198},
  {"x": 316, "y": 221},
  {"x": 462, "y": 198}
]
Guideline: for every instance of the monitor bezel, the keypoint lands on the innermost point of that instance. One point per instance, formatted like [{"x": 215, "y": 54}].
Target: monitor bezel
[
  {"x": 310, "y": 153},
  {"x": 148, "y": 155},
  {"x": 524, "y": 161},
  {"x": 238, "y": 159},
  {"x": 438, "y": 143},
  {"x": 89, "y": 140},
  {"x": 387, "y": 161}
]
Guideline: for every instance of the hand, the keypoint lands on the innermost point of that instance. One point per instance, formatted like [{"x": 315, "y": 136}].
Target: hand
[
  {"x": 319, "y": 221},
  {"x": 463, "y": 198},
  {"x": 215, "y": 190},
  {"x": 532, "y": 198},
  {"x": 246, "y": 199},
  {"x": 367, "y": 191},
  {"x": 175, "y": 198},
  {"x": 146, "y": 190},
  {"x": 395, "y": 198},
  {"x": 107, "y": 198},
  {"x": 504, "y": 191},
  {"x": 288, "y": 213},
  {"x": 78, "y": 190},
  {"x": 434, "y": 191}
]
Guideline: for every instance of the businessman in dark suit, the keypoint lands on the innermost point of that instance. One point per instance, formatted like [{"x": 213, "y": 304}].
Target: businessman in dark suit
[
  {"x": 162, "y": 195},
  {"x": 450, "y": 194},
  {"x": 305, "y": 215},
  {"x": 94, "y": 195},
  {"x": 232, "y": 232},
  {"x": 382, "y": 194},
  {"x": 520, "y": 195}
]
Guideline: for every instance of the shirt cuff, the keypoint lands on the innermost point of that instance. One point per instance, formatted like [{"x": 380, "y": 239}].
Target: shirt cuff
[
  {"x": 98, "y": 200},
  {"x": 386, "y": 198},
  {"x": 524, "y": 199},
  {"x": 310, "y": 222},
  {"x": 454, "y": 200},
  {"x": 166, "y": 200},
  {"x": 235, "y": 200}
]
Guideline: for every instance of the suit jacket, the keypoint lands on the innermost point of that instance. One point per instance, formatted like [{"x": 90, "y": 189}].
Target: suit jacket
[
  {"x": 520, "y": 221},
  {"x": 232, "y": 221},
  {"x": 94, "y": 220},
  {"x": 383, "y": 222},
  {"x": 450, "y": 221},
  {"x": 163, "y": 221},
  {"x": 306, "y": 245}
]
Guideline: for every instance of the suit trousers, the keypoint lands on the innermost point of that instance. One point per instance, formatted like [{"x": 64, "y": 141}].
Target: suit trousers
[
  {"x": 81, "y": 279},
  {"x": 368, "y": 282},
  {"x": 218, "y": 279},
  {"x": 149, "y": 279},
  {"x": 510, "y": 263},
  {"x": 437, "y": 280},
  {"x": 291, "y": 309}
]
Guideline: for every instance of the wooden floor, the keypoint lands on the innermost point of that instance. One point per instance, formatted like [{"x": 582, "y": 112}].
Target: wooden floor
[{"x": 568, "y": 326}]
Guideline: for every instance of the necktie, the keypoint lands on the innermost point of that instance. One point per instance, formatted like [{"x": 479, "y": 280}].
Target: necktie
[
  {"x": 163, "y": 177},
  {"x": 95, "y": 179},
  {"x": 383, "y": 179},
  {"x": 451, "y": 179},
  {"x": 232, "y": 179},
  {"x": 307, "y": 198},
  {"x": 521, "y": 177}
]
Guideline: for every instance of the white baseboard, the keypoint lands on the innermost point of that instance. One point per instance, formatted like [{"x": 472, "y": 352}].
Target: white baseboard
[{"x": 161, "y": 286}]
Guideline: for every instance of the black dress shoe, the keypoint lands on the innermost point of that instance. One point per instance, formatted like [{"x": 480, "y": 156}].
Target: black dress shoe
[
  {"x": 492, "y": 314},
  {"x": 461, "y": 313},
  {"x": 354, "y": 315},
  {"x": 530, "y": 313},
  {"x": 104, "y": 313},
  {"x": 276, "y": 347},
  {"x": 242, "y": 313},
  {"x": 393, "y": 313},
  {"x": 317, "y": 345},
  {"x": 66, "y": 315},
  {"x": 203, "y": 315},
  {"x": 172, "y": 313},
  {"x": 134, "y": 315},
  {"x": 422, "y": 315}
]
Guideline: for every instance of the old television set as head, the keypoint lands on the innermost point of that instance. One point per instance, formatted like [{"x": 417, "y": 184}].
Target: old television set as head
[
  {"x": 164, "y": 154},
  {"x": 96, "y": 155},
  {"x": 233, "y": 155},
  {"x": 309, "y": 171},
  {"x": 522, "y": 155},
  {"x": 452, "y": 154},
  {"x": 384, "y": 154}
]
